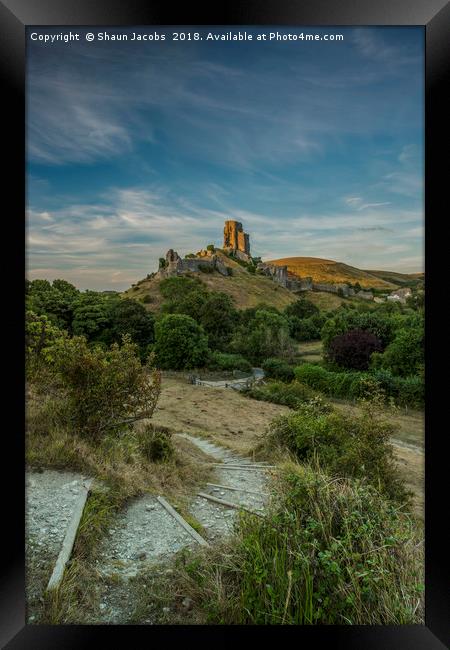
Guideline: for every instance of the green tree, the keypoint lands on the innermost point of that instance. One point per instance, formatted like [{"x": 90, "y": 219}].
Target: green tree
[
  {"x": 266, "y": 335},
  {"x": 301, "y": 308},
  {"x": 40, "y": 336},
  {"x": 180, "y": 342},
  {"x": 130, "y": 317},
  {"x": 55, "y": 301},
  {"x": 218, "y": 317},
  {"x": 92, "y": 316},
  {"x": 405, "y": 355}
]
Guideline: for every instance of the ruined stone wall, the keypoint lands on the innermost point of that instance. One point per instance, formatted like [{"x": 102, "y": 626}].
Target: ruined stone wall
[{"x": 175, "y": 265}]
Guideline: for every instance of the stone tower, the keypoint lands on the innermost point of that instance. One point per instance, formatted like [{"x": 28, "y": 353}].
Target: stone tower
[{"x": 235, "y": 238}]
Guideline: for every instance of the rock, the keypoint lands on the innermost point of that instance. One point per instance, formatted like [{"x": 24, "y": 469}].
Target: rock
[
  {"x": 187, "y": 603},
  {"x": 141, "y": 556}
]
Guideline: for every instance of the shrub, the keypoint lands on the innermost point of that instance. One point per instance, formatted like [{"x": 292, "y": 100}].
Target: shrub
[
  {"x": 263, "y": 333},
  {"x": 305, "y": 329},
  {"x": 147, "y": 298},
  {"x": 293, "y": 395},
  {"x": 405, "y": 355},
  {"x": 180, "y": 343},
  {"x": 130, "y": 317},
  {"x": 155, "y": 443},
  {"x": 205, "y": 268},
  {"x": 353, "y": 349},
  {"x": 314, "y": 376},
  {"x": 301, "y": 308},
  {"x": 278, "y": 369},
  {"x": 329, "y": 553},
  {"x": 40, "y": 336},
  {"x": 380, "y": 324},
  {"x": 106, "y": 390},
  {"x": 409, "y": 391},
  {"x": 224, "y": 361},
  {"x": 344, "y": 445}
]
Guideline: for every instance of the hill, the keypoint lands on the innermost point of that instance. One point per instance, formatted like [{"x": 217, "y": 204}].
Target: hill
[
  {"x": 410, "y": 279},
  {"x": 323, "y": 270},
  {"x": 246, "y": 289}
]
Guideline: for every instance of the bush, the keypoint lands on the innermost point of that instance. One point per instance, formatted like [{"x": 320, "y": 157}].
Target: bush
[
  {"x": 353, "y": 349},
  {"x": 277, "y": 392},
  {"x": 205, "y": 268},
  {"x": 330, "y": 553},
  {"x": 405, "y": 355},
  {"x": 305, "y": 329},
  {"x": 130, "y": 317},
  {"x": 106, "y": 391},
  {"x": 344, "y": 445},
  {"x": 314, "y": 376},
  {"x": 408, "y": 391},
  {"x": 180, "y": 343},
  {"x": 278, "y": 369},
  {"x": 147, "y": 298},
  {"x": 40, "y": 336},
  {"x": 301, "y": 308},
  {"x": 262, "y": 333},
  {"x": 228, "y": 362},
  {"x": 155, "y": 443},
  {"x": 380, "y": 324}
]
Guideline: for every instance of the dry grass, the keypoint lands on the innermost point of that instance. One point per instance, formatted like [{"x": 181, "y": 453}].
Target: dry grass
[
  {"x": 325, "y": 301},
  {"x": 220, "y": 413},
  {"x": 117, "y": 461}
]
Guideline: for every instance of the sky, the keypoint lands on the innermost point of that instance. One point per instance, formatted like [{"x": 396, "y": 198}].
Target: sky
[{"x": 136, "y": 147}]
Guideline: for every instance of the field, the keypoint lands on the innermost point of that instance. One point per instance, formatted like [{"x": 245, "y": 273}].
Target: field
[{"x": 223, "y": 414}]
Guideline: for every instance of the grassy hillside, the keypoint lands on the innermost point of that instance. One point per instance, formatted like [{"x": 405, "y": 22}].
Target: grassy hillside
[
  {"x": 406, "y": 279},
  {"x": 322, "y": 270},
  {"x": 247, "y": 290}
]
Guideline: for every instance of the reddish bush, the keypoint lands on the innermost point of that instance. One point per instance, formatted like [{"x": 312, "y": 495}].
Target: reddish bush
[{"x": 354, "y": 348}]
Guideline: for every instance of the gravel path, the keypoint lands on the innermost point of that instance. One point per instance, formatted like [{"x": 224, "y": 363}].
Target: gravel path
[
  {"x": 50, "y": 499},
  {"x": 218, "y": 520},
  {"x": 144, "y": 534}
]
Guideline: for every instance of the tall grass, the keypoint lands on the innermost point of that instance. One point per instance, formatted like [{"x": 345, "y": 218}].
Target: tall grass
[{"x": 329, "y": 551}]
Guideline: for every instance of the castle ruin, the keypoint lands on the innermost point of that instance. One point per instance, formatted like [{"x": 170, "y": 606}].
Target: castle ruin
[{"x": 235, "y": 239}]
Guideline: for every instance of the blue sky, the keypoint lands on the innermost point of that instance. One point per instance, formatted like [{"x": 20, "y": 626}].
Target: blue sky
[{"x": 137, "y": 147}]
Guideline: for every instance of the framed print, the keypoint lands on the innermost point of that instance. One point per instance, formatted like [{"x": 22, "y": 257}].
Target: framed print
[{"x": 228, "y": 217}]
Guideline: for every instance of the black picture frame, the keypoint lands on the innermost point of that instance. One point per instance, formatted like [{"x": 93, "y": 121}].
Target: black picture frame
[{"x": 15, "y": 16}]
